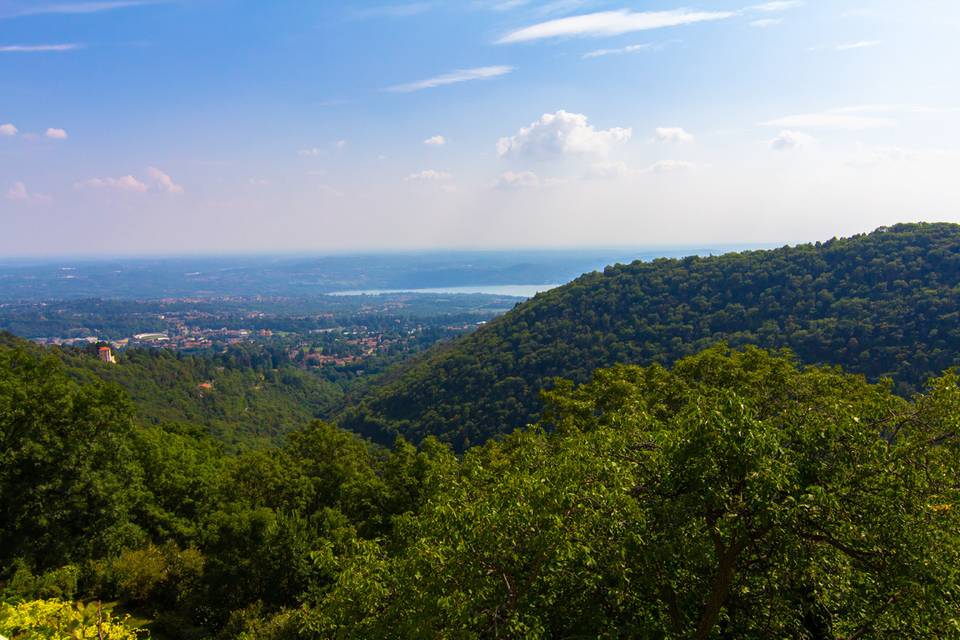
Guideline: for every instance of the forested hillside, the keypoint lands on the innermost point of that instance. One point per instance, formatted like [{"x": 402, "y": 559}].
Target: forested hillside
[
  {"x": 885, "y": 304},
  {"x": 246, "y": 396},
  {"x": 734, "y": 496}
]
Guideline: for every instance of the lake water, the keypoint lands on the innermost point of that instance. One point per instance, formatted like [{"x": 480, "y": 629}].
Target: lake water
[{"x": 517, "y": 290}]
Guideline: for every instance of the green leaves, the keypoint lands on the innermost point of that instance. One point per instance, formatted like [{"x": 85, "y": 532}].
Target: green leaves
[
  {"x": 734, "y": 496},
  {"x": 68, "y": 482},
  {"x": 57, "y": 620}
]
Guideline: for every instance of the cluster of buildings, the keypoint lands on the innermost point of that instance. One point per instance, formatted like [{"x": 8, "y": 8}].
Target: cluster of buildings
[
  {"x": 368, "y": 345},
  {"x": 187, "y": 338},
  {"x": 180, "y": 338}
]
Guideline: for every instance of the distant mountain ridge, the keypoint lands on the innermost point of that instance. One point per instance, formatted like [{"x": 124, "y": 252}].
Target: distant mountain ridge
[{"x": 884, "y": 304}]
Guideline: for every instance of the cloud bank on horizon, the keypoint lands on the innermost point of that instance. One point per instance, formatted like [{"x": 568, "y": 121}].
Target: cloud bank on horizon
[{"x": 160, "y": 126}]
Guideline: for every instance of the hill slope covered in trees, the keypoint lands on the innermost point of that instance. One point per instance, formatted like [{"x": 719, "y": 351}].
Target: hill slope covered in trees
[
  {"x": 732, "y": 496},
  {"x": 242, "y": 397},
  {"x": 884, "y": 304}
]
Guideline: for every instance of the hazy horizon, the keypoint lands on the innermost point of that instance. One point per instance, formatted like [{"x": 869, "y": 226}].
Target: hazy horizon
[{"x": 292, "y": 254}]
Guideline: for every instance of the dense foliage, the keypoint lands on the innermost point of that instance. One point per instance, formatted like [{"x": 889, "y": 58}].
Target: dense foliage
[
  {"x": 884, "y": 304},
  {"x": 56, "y": 620},
  {"x": 94, "y": 504},
  {"x": 246, "y": 395},
  {"x": 732, "y": 496}
]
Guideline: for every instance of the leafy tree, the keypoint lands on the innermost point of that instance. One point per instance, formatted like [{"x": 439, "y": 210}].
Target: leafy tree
[
  {"x": 736, "y": 496},
  {"x": 56, "y": 620},
  {"x": 68, "y": 482}
]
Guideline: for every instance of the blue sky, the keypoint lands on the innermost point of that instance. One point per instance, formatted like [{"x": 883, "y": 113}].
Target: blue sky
[{"x": 223, "y": 126}]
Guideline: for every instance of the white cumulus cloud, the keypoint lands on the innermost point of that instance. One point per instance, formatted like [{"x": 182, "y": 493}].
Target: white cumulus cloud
[
  {"x": 610, "y": 23},
  {"x": 19, "y": 193},
  {"x": 562, "y": 133},
  {"x": 788, "y": 140},
  {"x": 156, "y": 180},
  {"x": 672, "y": 134},
  {"x": 518, "y": 180},
  {"x": 435, "y": 141},
  {"x": 124, "y": 183},
  {"x": 163, "y": 182},
  {"x": 56, "y": 134},
  {"x": 454, "y": 77},
  {"x": 8, "y": 130}
]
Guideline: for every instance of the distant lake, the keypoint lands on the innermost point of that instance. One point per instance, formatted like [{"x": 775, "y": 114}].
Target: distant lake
[{"x": 516, "y": 290}]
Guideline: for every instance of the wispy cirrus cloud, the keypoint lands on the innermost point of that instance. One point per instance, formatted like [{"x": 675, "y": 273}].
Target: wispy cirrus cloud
[
  {"x": 856, "y": 117},
  {"x": 15, "y": 9},
  {"x": 766, "y": 22},
  {"x": 895, "y": 108},
  {"x": 39, "y": 48},
  {"x": 777, "y": 5},
  {"x": 633, "y": 48},
  {"x": 863, "y": 44},
  {"x": 847, "y": 46},
  {"x": 454, "y": 77},
  {"x": 610, "y": 23}
]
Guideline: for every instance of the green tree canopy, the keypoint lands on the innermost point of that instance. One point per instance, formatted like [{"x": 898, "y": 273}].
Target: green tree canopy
[
  {"x": 68, "y": 480},
  {"x": 885, "y": 304},
  {"x": 734, "y": 496}
]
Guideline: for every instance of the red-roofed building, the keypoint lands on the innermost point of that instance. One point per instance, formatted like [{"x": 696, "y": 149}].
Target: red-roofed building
[{"x": 106, "y": 355}]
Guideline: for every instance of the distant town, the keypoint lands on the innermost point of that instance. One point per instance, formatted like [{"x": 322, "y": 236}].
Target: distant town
[
  {"x": 361, "y": 342},
  {"x": 333, "y": 332}
]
